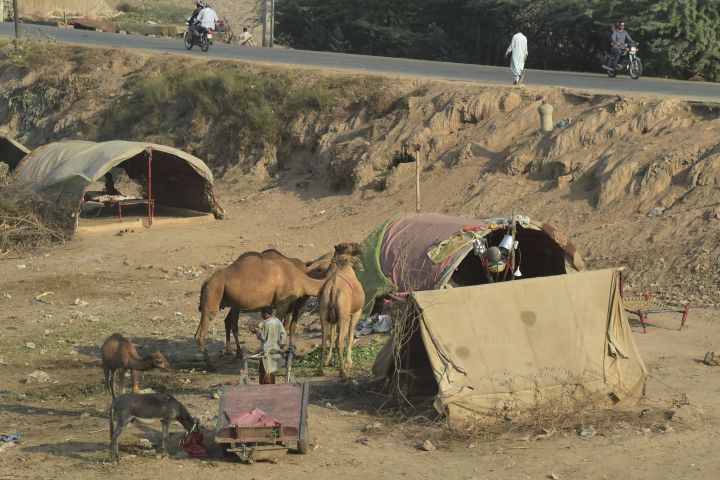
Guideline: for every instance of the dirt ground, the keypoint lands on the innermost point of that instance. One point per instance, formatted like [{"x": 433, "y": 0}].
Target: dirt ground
[{"x": 145, "y": 284}]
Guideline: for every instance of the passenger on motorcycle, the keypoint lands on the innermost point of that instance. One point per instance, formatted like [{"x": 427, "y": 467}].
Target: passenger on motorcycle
[
  {"x": 207, "y": 18},
  {"x": 618, "y": 40}
]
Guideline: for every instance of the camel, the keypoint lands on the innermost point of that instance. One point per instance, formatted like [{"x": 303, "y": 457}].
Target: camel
[
  {"x": 319, "y": 271},
  {"x": 341, "y": 301},
  {"x": 118, "y": 353},
  {"x": 250, "y": 283}
]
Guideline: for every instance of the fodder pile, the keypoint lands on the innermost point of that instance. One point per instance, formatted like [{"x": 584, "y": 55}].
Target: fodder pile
[{"x": 26, "y": 221}]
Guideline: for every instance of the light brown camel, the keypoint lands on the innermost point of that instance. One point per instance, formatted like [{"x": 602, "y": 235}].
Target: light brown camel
[
  {"x": 341, "y": 301},
  {"x": 117, "y": 353},
  {"x": 320, "y": 268},
  {"x": 250, "y": 283},
  {"x": 290, "y": 320}
]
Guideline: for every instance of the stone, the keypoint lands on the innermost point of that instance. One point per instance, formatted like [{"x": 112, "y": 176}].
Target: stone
[
  {"x": 712, "y": 359},
  {"x": 85, "y": 415},
  {"x": 688, "y": 414},
  {"x": 427, "y": 446},
  {"x": 30, "y": 345},
  {"x": 38, "y": 376},
  {"x": 564, "y": 180}
]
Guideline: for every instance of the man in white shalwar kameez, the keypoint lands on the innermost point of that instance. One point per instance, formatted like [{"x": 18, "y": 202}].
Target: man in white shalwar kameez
[{"x": 518, "y": 47}]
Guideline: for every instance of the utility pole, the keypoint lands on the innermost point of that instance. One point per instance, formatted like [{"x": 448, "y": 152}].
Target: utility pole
[
  {"x": 17, "y": 24},
  {"x": 2, "y": 10},
  {"x": 272, "y": 22},
  {"x": 264, "y": 23}
]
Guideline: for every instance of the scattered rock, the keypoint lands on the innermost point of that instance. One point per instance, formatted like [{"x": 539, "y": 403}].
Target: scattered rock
[
  {"x": 564, "y": 180},
  {"x": 665, "y": 428},
  {"x": 20, "y": 267},
  {"x": 39, "y": 298},
  {"x": 80, "y": 303},
  {"x": 181, "y": 455},
  {"x": 146, "y": 444},
  {"x": 688, "y": 414},
  {"x": 426, "y": 446},
  {"x": 712, "y": 359},
  {"x": 178, "y": 314},
  {"x": 146, "y": 390},
  {"x": 38, "y": 376},
  {"x": 85, "y": 415},
  {"x": 372, "y": 427},
  {"x": 657, "y": 211},
  {"x": 553, "y": 475},
  {"x": 588, "y": 432},
  {"x": 30, "y": 345}
]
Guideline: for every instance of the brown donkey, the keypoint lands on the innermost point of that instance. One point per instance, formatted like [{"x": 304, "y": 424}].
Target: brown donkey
[
  {"x": 341, "y": 301},
  {"x": 118, "y": 353}
]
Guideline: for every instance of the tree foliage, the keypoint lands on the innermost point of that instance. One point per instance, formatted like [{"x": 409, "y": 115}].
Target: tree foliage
[{"x": 680, "y": 38}]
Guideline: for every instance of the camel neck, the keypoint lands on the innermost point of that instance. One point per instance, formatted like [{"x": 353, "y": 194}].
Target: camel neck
[
  {"x": 311, "y": 285},
  {"x": 145, "y": 363}
]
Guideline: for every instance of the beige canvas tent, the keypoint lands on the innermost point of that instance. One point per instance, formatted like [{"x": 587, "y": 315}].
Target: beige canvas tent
[
  {"x": 510, "y": 345},
  {"x": 61, "y": 172}
]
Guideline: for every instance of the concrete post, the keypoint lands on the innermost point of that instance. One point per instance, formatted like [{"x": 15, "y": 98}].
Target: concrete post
[
  {"x": 546, "y": 121},
  {"x": 2, "y": 10}
]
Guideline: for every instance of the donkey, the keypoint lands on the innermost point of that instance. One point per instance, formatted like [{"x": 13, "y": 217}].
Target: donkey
[
  {"x": 119, "y": 354},
  {"x": 152, "y": 406}
]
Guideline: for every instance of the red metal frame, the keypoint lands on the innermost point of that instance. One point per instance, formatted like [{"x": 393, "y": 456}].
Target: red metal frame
[{"x": 643, "y": 313}]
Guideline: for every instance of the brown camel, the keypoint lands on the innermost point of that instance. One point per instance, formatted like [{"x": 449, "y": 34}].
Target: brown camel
[
  {"x": 250, "y": 283},
  {"x": 320, "y": 268},
  {"x": 290, "y": 320},
  {"x": 341, "y": 301},
  {"x": 118, "y": 353}
]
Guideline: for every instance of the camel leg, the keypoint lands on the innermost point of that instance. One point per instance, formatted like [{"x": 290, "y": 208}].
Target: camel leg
[
  {"x": 325, "y": 330},
  {"x": 134, "y": 375},
  {"x": 210, "y": 297},
  {"x": 332, "y": 328},
  {"x": 238, "y": 350},
  {"x": 205, "y": 320},
  {"x": 112, "y": 383},
  {"x": 351, "y": 336},
  {"x": 231, "y": 325},
  {"x": 341, "y": 347},
  {"x": 284, "y": 312}
]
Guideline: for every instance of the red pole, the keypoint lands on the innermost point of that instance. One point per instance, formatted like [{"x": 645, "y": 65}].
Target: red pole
[
  {"x": 150, "y": 199},
  {"x": 643, "y": 319},
  {"x": 684, "y": 317}
]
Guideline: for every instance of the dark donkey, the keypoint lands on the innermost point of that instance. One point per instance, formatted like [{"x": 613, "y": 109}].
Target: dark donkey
[{"x": 153, "y": 406}]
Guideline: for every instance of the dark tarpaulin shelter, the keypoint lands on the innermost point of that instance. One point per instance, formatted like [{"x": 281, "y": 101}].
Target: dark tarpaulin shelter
[
  {"x": 428, "y": 251},
  {"x": 11, "y": 152},
  {"x": 61, "y": 172}
]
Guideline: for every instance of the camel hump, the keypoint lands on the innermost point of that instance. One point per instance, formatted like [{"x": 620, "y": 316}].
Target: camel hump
[{"x": 249, "y": 255}]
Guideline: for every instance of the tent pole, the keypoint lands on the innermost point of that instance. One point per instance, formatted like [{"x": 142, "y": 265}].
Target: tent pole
[
  {"x": 150, "y": 199},
  {"x": 417, "y": 179}
]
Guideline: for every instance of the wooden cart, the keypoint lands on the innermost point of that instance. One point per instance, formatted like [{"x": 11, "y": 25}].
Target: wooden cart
[{"x": 287, "y": 403}]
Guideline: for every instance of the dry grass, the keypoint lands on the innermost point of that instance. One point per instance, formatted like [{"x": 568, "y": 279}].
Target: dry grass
[{"x": 28, "y": 222}]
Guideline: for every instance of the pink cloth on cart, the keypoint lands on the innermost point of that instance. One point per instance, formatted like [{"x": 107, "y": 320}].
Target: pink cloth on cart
[{"x": 253, "y": 418}]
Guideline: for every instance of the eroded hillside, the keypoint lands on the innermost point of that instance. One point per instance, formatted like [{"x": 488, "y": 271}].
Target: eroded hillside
[{"x": 634, "y": 180}]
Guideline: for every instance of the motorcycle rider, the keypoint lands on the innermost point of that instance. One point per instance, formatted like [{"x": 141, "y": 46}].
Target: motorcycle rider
[
  {"x": 618, "y": 39},
  {"x": 199, "y": 5},
  {"x": 206, "y": 19}
]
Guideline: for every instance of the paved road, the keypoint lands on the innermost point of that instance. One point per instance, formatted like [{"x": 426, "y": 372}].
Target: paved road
[{"x": 706, "y": 92}]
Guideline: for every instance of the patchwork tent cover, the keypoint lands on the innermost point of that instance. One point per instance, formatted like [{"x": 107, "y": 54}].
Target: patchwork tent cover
[
  {"x": 60, "y": 172},
  {"x": 11, "y": 151},
  {"x": 397, "y": 255},
  {"x": 512, "y": 344}
]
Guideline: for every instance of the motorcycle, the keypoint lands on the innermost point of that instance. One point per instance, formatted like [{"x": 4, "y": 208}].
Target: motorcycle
[
  {"x": 628, "y": 62},
  {"x": 204, "y": 40}
]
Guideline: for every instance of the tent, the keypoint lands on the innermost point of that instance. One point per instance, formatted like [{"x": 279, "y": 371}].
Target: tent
[
  {"x": 427, "y": 251},
  {"x": 61, "y": 172},
  {"x": 509, "y": 345},
  {"x": 11, "y": 152}
]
